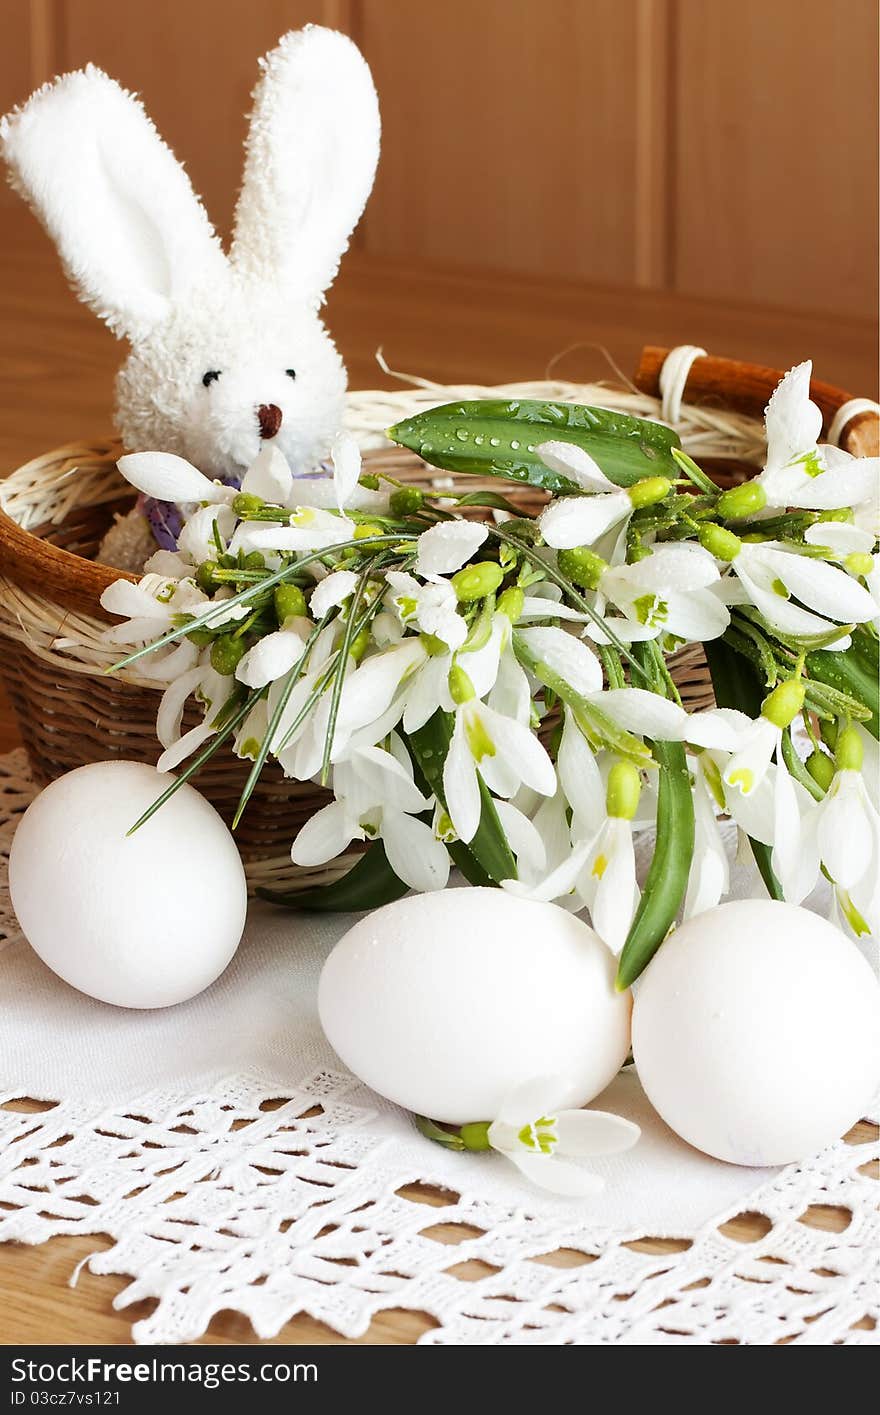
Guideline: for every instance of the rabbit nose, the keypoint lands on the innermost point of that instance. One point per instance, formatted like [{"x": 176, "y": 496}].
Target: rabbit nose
[{"x": 270, "y": 420}]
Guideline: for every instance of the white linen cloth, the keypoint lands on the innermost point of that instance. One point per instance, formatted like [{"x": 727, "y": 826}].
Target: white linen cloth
[{"x": 236, "y": 1165}]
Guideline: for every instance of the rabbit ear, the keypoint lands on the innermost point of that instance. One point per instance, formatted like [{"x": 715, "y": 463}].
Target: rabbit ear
[
  {"x": 310, "y": 161},
  {"x": 132, "y": 234}
]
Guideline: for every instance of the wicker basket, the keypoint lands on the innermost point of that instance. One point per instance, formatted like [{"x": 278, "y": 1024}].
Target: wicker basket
[{"x": 58, "y": 507}]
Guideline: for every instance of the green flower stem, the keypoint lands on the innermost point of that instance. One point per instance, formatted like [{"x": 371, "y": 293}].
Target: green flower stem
[
  {"x": 193, "y": 766},
  {"x": 798, "y": 769},
  {"x": 287, "y": 572},
  {"x": 351, "y": 631},
  {"x": 693, "y": 472}
]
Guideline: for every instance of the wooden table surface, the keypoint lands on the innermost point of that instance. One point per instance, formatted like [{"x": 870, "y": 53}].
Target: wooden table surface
[{"x": 56, "y": 370}]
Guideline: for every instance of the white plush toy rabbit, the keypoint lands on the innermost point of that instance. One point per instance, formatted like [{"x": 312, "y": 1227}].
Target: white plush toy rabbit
[{"x": 227, "y": 351}]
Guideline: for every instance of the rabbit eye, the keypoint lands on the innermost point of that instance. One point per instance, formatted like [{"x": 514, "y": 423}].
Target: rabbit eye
[
  {"x": 210, "y": 377},
  {"x": 291, "y": 372}
]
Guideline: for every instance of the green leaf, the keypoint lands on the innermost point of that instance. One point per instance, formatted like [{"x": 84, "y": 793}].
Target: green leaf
[
  {"x": 498, "y": 437},
  {"x": 489, "y": 847},
  {"x": 848, "y": 673},
  {"x": 368, "y": 885}
]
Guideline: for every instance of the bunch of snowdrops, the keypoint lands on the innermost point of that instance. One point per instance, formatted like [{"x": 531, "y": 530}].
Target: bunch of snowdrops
[{"x": 495, "y": 694}]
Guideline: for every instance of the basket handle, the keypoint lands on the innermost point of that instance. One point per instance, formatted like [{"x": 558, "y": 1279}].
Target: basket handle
[
  {"x": 53, "y": 572},
  {"x": 746, "y": 388}
]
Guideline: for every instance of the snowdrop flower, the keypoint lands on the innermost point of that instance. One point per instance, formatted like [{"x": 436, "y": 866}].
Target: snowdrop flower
[
  {"x": 151, "y": 608},
  {"x": 571, "y": 521},
  {"x": 167, "y": 477},
  {"x": 848, "y": 830},
  {"x": 429, "y": 688},
  {"x": 669, "y": 591},
  {"x": 853, "y": 546},
  {"x": 709, "y": 877},
  {"x": 608, "y": 882},
  {"x": 762, "y": 737},
  {"x": 308, "y": 528},
  {"x": 539, "y": 1139},
  {"x": 634, "y": 709},
  {"x": 377, "y": 796},
  {"x": 431, "y": 608},
  {"x": 371, "y": 701},
  {"x": 269, "y": 476},
  {"x": 771, "y": 573},
  {"x": 274, "y": 656},
  {"x": 486, "y": 744},
  {"x": 798, "y": 471},
  {"x": 444, "y": 548},
  {"x": 213, "y": 690},
  {"x": 332, "y": 592},
  {"x": 198, "y": 538}
]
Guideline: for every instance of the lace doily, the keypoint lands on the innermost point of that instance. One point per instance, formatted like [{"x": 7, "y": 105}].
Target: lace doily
[{"x": 224, "y": 1186}]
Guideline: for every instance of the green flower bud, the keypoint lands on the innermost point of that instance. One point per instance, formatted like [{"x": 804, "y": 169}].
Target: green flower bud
[
  {"x": 405, "y": 501},
  {"x": 290, "y": 602},
  {"x": 254, "y": 561},
  {"x": 724, "y": 545},
  {"x": 476, "y": 581},
  {"x": 741, "y": 501},
  {"x": 432, "y": 645},
  {"x": 200, "y": 637},
  {"x": 511, "y": 603},
  {"x": 623, "y": 791},
  {"x": 843, "y": 513},
  {"x": 821, "y": 768},
  {"x": 246, "y": 504},
  {"x": 859, "y": 563},
  {"x": 849, "y": 753},
  {"x": 366, "y": 531},
  {"x": 369, "y": 481},
  {"x": 205, "y": 576},
  {"x": 583, "y": 567},
  {"x": 226, "y": 654},
  {"x": 523, "y": 529},
  {"x": 359, "y": 645},
  {"x": 649, "y": 491},
  {"x": 461, "y": 689},
  {"x": 782, "y": 706},
  {"x": 476, "y": 1135}
]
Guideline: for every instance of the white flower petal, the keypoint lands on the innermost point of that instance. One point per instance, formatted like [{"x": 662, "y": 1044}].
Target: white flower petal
[
  {"x": 615, "y": 894},
  {"x": 167, "y": 477},
  {"x": 570, "y": 521},
  {"x": 587, "y": 1133},
  {"x": 325, "y": 835},
  {"x": 444, "y": 548},
  {"x": 846, "y": 831},
  {"x": 822, "y": 587},
  {"x": 840, "y": 537},
  {"x": 559, "y": 882},
  {"x": 793, "y": 422},
  {"x": 270, "y": 658},
  {"x": 565, "y": 656},
  {"x": 557, "y": 1177},
  {"x": 346, "y": 458},
  {"x": 524, "y": 1104},
  {"x": 426, "y": 692},
  {"x": 460, "y": 785},
  {"x": 133, "y": 601},
  {"x": 269, "y": 476},
  {"x": 522, "y": 750},
  {"x": 414, "y": 853},
  {"x": 680, "y": 566},
  {"x": 184, "y": 746},
  {"x": 165, "y": 667},
  {"x": 570, "y": 460},
  {"x": 332, "y": 592},
  {"x": 197, "y": 538},
  {"x": 795, "y": 857},
  {"x": 646, "y": 714},
  {"x": 580, "y": 777},
  {"x": 523, "y": 837},
  {"x": 779, "y": 612},
  {"x": 172, "y": 704}
]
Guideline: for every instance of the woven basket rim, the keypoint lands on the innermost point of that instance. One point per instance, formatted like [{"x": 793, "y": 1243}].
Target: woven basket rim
[{"x": 44, "y": 586}]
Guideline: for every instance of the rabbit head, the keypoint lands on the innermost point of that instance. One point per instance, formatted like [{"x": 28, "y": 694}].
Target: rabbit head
[{"x": 227, "y": 351}]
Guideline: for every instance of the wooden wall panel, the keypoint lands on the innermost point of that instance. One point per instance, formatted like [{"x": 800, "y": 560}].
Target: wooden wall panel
[
  {"x": 28, "y": 33},
  {"x": 194, "y": 62},
  {"x": 776, "y": 171},
  {"x": 510, "y": 134}
]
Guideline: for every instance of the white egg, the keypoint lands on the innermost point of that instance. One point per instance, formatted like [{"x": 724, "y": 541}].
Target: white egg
[
  {"x": 143, "y": 921},
  {"x": 445, "y": 1002},
  {"x": 756, "y": 1032}
]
